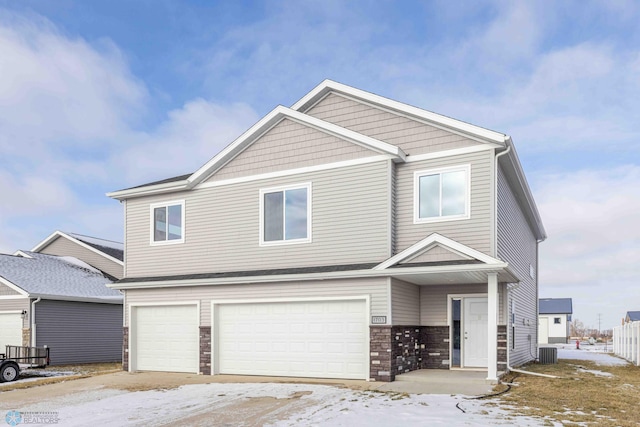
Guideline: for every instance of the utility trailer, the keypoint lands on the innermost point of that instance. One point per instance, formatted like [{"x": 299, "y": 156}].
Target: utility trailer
[{"x": 17, "y": 357}]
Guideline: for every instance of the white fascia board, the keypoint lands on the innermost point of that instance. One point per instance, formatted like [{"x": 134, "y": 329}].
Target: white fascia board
[
  {"x": 274, "y": 117},
  {"x": 331, "y": 86},
  {"x": 22, "y": 254},
  {"x": 354, "y": 274},
  {"x": 101, "y": 300},
  {"x": 13, "y": 286},
  {"x": 167, "y": 187},
  {"x": 58, "y": 234},
  {"x": 445, "y": 242},
  {"x": 526, "y": 190}
]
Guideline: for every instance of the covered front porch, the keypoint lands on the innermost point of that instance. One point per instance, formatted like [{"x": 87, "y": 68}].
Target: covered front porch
[{"x": 449, "y": 311}]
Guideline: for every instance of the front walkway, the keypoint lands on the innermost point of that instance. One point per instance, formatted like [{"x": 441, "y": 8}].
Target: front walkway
[{"x": 442, "y": 381}]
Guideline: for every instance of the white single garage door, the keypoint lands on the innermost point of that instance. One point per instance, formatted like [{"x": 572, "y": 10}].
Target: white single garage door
[
  {"x": 320, "y": 339},
  {"x": 10, "y": 330},
  {"x": 165, "y": 338}
]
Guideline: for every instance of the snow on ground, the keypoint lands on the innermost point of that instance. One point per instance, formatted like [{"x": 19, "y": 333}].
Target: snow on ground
[
  {"x": 318, "y": 405},
  {"x": 598, "y": 353},
  {"x": 30, "y": 375},
  {"x": 596, "y": 373}
]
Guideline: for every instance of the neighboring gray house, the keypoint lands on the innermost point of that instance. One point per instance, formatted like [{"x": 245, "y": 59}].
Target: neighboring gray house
[
  {"x": 105, "y": 255},
  {"x": 554, "y": 320},
  {"x": 632, "y": 316},
  {"x": 61, "y": 302},
  {"x": 349, "y": 236}
]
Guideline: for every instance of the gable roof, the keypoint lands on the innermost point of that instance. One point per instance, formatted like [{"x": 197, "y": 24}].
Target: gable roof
[
  {"x": 555, "y": 306},
  {"x": 633, "y": 315},
  {"x": 49, "y": 276},
  {"x": 510, "y": 162},
  {"x": 439, "y": 240},
  {"x": 114, "y": 251}
]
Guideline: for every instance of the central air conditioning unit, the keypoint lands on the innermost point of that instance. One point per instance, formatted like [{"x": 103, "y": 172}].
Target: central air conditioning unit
[{"x": 547, "y": 355}]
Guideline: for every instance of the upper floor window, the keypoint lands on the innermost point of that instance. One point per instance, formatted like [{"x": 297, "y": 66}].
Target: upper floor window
[
  {"x": 557, "y": 320},
  {"x": 167, "y": 222},
  {"x": 441, "y": 194},
  {"x": 285, "y": 214}
]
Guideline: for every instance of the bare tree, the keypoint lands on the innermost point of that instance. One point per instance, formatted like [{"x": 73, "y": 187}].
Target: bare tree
[{"x": 577, "y": 328}]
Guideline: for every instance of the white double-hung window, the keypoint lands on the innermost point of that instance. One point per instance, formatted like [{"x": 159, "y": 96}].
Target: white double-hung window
[
  {"x": 285, "y": 214},
  {"x": 167, "y": 222},
  {"x": 442, "y": 194}
]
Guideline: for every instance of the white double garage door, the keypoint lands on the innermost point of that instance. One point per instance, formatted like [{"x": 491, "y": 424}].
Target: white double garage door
[{"x": 321, "y": 339}]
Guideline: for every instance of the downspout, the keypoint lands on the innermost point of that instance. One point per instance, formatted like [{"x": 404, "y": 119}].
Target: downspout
[
  {"x": 33, "y": 321},
  {"x": 509, "y": 367}
]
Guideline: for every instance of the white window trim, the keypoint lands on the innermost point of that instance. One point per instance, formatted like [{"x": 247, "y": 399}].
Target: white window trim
[
  {"x": 416, "y": 195},
  {"x": 152, "y": 222},
  {"x": 264, "y": 191}
]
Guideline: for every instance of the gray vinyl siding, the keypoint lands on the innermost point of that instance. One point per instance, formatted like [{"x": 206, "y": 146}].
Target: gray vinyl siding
[
  {"x": 7, "y": 291},
  {"x": 350, "y": 212},
  {"x": 79, "y": 332},
  {"x": 64, "y": 247},
  {"x": 436, "y": 254},
  {"x": 434, "y": 301},
  {"x": 516, "y": 244},
  {"x": 405, "y": 303},
  {"x": 411, "y": 135},
  {"x": 474, "y": 232},
  {"x": 375, "y": 288},
  {"x": 290, "y": 145},
  {"x": 16, "y": 304}
]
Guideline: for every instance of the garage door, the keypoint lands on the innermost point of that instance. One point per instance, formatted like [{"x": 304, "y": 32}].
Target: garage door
[
  {"x": 165, "y": 338},
  {"x": 10, "y": 330},
  {"x": 321, "y": 339}
]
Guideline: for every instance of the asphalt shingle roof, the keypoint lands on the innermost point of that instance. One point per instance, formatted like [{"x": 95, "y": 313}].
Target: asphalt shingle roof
[
  {"x": 633, "y": 315},
  {"x": 57, "y": 276},
  {"x": 555, "y": 306},
  {"x": 109, "y": 247}
]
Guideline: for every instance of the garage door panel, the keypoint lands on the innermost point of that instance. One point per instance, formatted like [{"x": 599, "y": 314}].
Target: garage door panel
[
  {"x": 10, "y": 330},
  {"x": 166, "y": 338},
  {"x": 325, "y": 339}
]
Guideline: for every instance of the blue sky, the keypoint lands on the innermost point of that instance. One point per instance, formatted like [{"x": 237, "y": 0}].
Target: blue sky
[{"x": 98, "y": 96}]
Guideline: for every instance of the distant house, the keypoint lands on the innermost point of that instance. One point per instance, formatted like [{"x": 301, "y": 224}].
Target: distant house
[
  {"x": 554, "y": 319},
  {"x": 632, "y": 316},
  {"x": 105, "y": 255},
  {"x": 56, "y": 295}
]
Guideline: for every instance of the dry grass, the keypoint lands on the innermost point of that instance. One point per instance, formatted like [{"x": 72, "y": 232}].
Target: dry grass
[
  {"x": 578, "y": 397},
  {"x": 80, "y": 371}
]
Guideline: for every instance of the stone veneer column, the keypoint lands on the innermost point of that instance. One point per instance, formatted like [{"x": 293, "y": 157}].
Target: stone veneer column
[
  {"x": 406, "y": 345},
  {"x": 125, "y": 348},
  {"x": 26, "y": 337},
  {"x": 380, "y": 353},
  {"x": 205, "y": 350},
  {"x": 502, "y": 348},
  {"x": 435, "y": 354}
]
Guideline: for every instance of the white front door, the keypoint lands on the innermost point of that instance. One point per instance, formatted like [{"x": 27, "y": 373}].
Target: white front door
[{"x": 475, "y": 332}]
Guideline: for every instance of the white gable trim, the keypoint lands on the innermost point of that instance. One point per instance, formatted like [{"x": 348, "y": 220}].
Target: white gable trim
[
  {"x": 327, "y": 86},
  {"x": 446, "y": 243},
  {"x": 273, "y": 118},
  {"x": 22, "y": 254},
  {"x": 58, "y": 234},
  {"x": 13, "y": 287}
]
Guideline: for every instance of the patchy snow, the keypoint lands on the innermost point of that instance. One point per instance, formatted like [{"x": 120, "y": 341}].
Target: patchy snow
[
  {"x": 31, "y": 375},
  {"x": 287, "y": 405},
  {"x": 78, "y": 263},
  {"x": 596, "y": 373},
  {"x": 592, "y": 353}
]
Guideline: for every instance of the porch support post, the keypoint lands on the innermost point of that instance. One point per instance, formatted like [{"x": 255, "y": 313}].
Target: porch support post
[{"x": 492, "y": 345}]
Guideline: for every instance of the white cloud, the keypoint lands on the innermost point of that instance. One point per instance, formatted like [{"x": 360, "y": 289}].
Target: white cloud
[{"x": 591, "y": 217}]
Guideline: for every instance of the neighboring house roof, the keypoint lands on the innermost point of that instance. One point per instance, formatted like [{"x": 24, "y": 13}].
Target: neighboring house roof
[
  {"x": 297, "y": 113},
  {"x": 66, "y": 278},
  {"x": 633, "y": 315},
  {"x": 555, "y": 306},
  {"x": 107, "y": 248}
]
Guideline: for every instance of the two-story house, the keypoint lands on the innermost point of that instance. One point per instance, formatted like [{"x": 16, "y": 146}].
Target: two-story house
[{"x": 349, "y": 236}]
